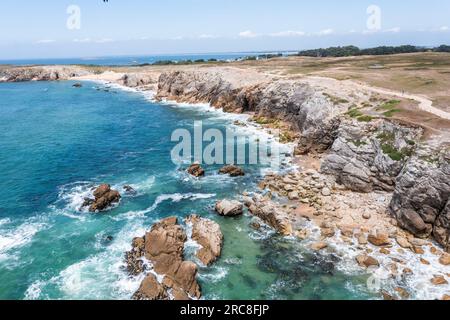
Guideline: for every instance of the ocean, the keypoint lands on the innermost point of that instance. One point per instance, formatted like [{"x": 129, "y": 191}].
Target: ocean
[
  {"x": 57, "y": 142},
  {"x": 130, "y": 60}
]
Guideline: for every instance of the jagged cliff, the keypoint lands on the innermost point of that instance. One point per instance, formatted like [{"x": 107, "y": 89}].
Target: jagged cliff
[
  {"x": 379, "y": 154},
  {"x": 307, "y": 110}
]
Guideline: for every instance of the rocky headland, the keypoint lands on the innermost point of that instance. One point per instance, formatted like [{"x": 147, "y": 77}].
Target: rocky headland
[{"x": 369, "y": 181}]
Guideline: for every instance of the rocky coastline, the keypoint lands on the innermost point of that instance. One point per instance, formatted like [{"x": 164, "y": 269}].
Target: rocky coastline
[{"x": 377, "y": 184}]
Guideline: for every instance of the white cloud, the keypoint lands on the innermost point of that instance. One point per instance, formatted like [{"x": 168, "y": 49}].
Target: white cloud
[
  {"x": 393, "y": 30},
  {"x": 325, "y": 32},
  {"x": 248, "y": 34},
  {"x": 45, "y": 41},
  {"x": 89, "y": 40},
  {"x": 105, "y": 40},
  {"x": 444, "y": 28},
  {"x": 207, "y": 36},
  {"x": 288, "y": 33},
  {"x": 85, "y": 40}
]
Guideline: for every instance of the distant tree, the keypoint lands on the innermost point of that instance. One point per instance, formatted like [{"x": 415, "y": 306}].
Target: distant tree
[
  {"x": 442, "y": 48},
  {"x": 377, "y": 51}
]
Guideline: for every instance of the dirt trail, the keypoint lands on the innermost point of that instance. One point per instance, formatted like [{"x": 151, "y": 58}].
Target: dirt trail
[{"x": 424, "y": 103}]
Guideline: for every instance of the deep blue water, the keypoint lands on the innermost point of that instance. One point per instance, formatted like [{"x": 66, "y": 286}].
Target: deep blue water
[
  {"x": 57, "y": 142},
  {"x": 128, "y": 60}
]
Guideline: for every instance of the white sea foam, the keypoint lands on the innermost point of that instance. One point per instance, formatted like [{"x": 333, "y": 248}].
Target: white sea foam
[
  {"x": 101, "y": 276},
  {"x": 34, "y": 291},
  {"x": 214, "y": 274},
  {"x": 191, "y": 246},
  {"x": 73, "y": 195},
  {"x": 4, "y": 221},
  {"x": 418, "y": 284},
  {"x": 178, "y": 197},
  {"x": 18, "y": 237}
]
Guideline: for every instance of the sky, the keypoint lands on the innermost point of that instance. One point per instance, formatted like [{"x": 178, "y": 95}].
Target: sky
[{"x": 92, "y": 28}]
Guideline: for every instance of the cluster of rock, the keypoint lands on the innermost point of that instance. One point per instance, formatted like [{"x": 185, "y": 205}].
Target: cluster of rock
[
  {"x": 104, "y": 198},
  {"x": 232, "y": 171},
  {"x": 197, "y": 171},
  {"x": 369, "y": 156},
  {"x": 358, "y": 219},
  {"x": 163, "y": 246},
  {"x": 141, "y": 80},
  {"x": 305, "y": 187},
  {"x": 271, "y": 213}
]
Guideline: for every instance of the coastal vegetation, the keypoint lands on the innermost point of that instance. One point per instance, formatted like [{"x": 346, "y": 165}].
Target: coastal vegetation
[{"x": 348, "y": 51}]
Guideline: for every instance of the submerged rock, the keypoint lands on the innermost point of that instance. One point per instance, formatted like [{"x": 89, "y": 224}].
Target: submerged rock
[
  {"x": 196, "y": 170},
  {"x": 229, "y": 208},
  {"x": 77, "y": 85},
  {"x": 233, "y": 171},
  {"x": 206, "y": 233},
  {"x": 129, "y": 189},
  {"x": 367, "y": 261}
]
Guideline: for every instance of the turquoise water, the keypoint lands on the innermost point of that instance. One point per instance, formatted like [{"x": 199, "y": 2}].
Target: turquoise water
[{"x": 57, "y": 142}]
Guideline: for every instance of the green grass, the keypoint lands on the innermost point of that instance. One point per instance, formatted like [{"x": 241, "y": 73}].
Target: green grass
[
  {"x": 264, "y": 120},
  {"x": 354, "y": 113},
  {"x": 389, "y": 108},
  {"x": 335, "y": 100},
  {"x": 365, "y": 118},
  {"x": 393, "y": 153},
  {"x": 386, "y": 137},
  {"x": 390, "y": 113},
  {"x": 359, "y": 143}
]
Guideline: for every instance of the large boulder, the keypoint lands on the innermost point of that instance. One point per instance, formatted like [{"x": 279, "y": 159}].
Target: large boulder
[
  {"x": 105, "y": 197},
  {"x": 229, "y": 208},
  {"x": 151, "y": 289},
  {"x": 232, "y": 170},
  {"x": 208, "y": 235},
  {"x": 270, "y": 213},
  {"x": 196, "y": 170}
]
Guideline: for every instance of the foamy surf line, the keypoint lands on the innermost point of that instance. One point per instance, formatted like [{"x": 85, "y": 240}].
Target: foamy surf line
[
  {"x": 418, "y": 284},
  {"x": 248, "y": 127}
]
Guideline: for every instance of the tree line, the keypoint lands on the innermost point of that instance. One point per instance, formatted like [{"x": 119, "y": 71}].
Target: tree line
[{"x": 347, "y": 51}]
